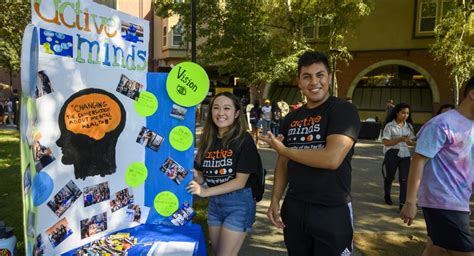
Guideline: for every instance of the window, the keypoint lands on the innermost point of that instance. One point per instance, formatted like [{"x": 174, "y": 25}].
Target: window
[
  {"x": 318, "y": 29},
  {"x": 429, "y": 13},
  {"x": 428, "y": 10},
  {"x": 165, "y": 35},
  {"x": 177, "y": 35},
  {"x": 400, "y": 83},
  {"x": 109, "y": 3}
]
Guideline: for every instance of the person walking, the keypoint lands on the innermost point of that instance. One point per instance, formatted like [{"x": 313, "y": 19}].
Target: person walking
[
  {"x": 398, "y": 134},
  {"x": 255, "y": 119},
  {"x": 266, "y": 117},
  {"x": 225, "y": 159},
  {"x": 442, "y": 174},
  {"x": 276, "y": 118},
  {"x": 314, "y": 161}
]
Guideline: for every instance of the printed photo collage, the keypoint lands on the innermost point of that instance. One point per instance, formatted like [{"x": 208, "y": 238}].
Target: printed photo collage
[{"x": 65, "y": 199}]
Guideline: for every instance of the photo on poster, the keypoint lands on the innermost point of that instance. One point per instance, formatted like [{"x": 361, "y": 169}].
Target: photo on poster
[
  {"x": 173, "y": 170},
  {"x": 27, "y": 180},
  {"x": 178, "y": 112},
  {"x": 116, "y": 244},
  {"x": 59, "y": 232},
  {"x": 183, "y": 215},
  {"x": 96, "y": 194},
  {"x": 30, "y": 230},
  {"x": 43, "y": 84},
  {"x": 132, "y": 32},
  {"x": 64, "y": 198},
  {"x": 133, "y": 213},
  {"x": 122, "y": 198},
  {"x": 93, "y": 225},
  {"x": 149, "y": 139},
  {"x": 129, "y": 88},
  {"x": 42, "y": 155},
  {"x": 38, "y": 248},
  {"x": 56, "y": 43}
]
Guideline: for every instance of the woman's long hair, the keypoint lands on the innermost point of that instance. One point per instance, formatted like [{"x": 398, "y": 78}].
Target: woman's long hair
[
  {"x": 393, "y": 114},
  {"x": 210, "y": 131}
]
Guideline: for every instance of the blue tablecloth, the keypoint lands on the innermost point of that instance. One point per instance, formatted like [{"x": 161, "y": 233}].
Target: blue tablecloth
[{"x": 149, "y": 233}]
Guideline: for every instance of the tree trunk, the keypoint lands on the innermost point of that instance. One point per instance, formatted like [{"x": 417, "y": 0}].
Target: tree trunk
[{"x": 456, "y": 90}]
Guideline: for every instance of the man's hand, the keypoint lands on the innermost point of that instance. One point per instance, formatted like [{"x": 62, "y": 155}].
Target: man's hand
[
  {"x": 196, "y": 189},
  {"x": 408, "y": 213},
  {"x": 273, "y": 214},
  {"x": 274, "y": 142}
]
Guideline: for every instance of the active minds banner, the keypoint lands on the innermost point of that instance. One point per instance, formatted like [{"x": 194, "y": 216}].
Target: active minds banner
[{"x": 105, "y": 146}]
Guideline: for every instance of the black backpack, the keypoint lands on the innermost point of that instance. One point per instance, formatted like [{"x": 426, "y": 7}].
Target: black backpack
[{"x": 257, "y": 180}]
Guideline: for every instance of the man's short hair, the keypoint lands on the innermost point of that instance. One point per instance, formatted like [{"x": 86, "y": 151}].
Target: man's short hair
[
  {"x": 469, "y": 86},
  {"x": 310, "y": 57}
]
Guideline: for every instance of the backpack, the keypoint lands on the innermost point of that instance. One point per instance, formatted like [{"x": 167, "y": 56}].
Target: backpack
[{"x": 257, "y": 180}]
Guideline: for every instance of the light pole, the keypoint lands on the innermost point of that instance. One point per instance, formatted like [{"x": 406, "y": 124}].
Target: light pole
[
  {"x": 334, "y": 53},
  {"x": 193, "y": 31}
]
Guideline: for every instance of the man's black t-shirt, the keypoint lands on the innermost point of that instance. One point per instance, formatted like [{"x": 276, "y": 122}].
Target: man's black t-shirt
[
  {"x": 220, "y": 165},
  {"x": 308, "y": 129}
]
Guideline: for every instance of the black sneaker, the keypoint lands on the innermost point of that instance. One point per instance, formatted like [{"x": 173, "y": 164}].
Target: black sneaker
[{"x": 388, "y": 199}]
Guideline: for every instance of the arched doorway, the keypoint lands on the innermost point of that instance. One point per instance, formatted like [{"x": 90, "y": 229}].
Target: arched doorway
[{"x": 399, "y": 80}]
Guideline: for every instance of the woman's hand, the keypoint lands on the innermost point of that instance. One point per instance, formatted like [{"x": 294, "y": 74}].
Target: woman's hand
[{"x": 196, "y": 189}]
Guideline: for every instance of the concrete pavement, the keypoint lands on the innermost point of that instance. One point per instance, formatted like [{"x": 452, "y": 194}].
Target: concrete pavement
[{"x": 371, "y": 214}]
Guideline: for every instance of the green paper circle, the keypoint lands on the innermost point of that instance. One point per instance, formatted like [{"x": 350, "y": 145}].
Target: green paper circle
[
  {"x": 166, "y": 203},
  {"x": 147, "y": 104},
  {"x": 187, "y": 84},
  {"x": 181, "y": 138},
  {"x": 136, "y": 174}
]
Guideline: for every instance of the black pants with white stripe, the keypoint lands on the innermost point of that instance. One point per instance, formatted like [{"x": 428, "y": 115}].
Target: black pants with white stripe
[{"x": 317, "y": 230}]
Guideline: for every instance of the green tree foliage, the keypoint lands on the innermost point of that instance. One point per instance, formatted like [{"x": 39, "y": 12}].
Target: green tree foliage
[
  {"x": 451, "y": 45},
  {"x": 261, "y": 40},
  {"x": 15, "y": 16}
]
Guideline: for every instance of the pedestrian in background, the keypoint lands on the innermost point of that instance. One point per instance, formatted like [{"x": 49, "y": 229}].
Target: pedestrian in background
[
  {"x": 398, "y": 134},
  {"x": 266, "y": 116},
  {"x": 442, "y": 174},
  {"x": 276, "y": 118},
  {"x": 255, "y": 119}
]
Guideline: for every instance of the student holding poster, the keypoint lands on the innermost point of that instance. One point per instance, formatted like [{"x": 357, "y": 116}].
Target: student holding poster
[{"x": 226, "y": 157}]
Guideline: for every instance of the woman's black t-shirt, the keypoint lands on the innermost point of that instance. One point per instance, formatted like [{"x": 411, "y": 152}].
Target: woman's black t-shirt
[{"x": 221, "y": 165}]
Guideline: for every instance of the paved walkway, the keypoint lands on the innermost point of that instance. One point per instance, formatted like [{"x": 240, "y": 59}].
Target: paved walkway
[{"x": 371, "y": 214}]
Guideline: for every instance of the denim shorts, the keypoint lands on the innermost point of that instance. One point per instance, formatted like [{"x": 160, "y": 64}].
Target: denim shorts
[{"x": 234, "y": 210}]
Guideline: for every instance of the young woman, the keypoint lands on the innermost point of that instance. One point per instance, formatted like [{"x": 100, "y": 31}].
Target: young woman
[
  {"x": 226, "y": 157},
  {"x": 398, "y": 134}
]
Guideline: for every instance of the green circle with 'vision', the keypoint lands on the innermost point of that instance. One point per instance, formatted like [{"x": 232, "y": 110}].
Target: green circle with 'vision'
[
  {"x": 136, "y": 174},
  {"x": 166, "y": 203},
  {"x": 187, "y": 84},
  {"x": 147, "y": 104},
  {"x": 181, "y": 138}
]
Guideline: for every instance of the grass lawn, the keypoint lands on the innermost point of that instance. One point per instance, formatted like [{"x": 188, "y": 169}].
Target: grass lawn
[
  {"x": 10, "y": 189},
  {"x": 10, "y": 185}
]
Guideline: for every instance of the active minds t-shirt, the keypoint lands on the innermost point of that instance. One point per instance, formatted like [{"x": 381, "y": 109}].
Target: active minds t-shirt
[
  {"x": 221, "y": 165},
  {"x": 308, "y": 129},
  {"x": 448, "y": 176}
]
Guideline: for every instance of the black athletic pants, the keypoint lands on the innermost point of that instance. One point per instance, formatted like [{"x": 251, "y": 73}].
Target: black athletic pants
[
  {"x": 392, "y": 163},
  {"x": 316, "y": 230}
]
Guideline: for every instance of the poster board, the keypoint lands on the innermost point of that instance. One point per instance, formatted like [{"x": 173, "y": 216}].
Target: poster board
[{"x": 104, "y": 147}]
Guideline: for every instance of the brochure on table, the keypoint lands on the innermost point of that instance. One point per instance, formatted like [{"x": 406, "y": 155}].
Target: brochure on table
[{"x": 104, "y": 145}]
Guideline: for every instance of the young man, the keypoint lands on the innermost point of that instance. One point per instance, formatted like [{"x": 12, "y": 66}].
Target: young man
[
  {"x": 442, "y": 172},
  {"x": 315, "y": 152}
]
